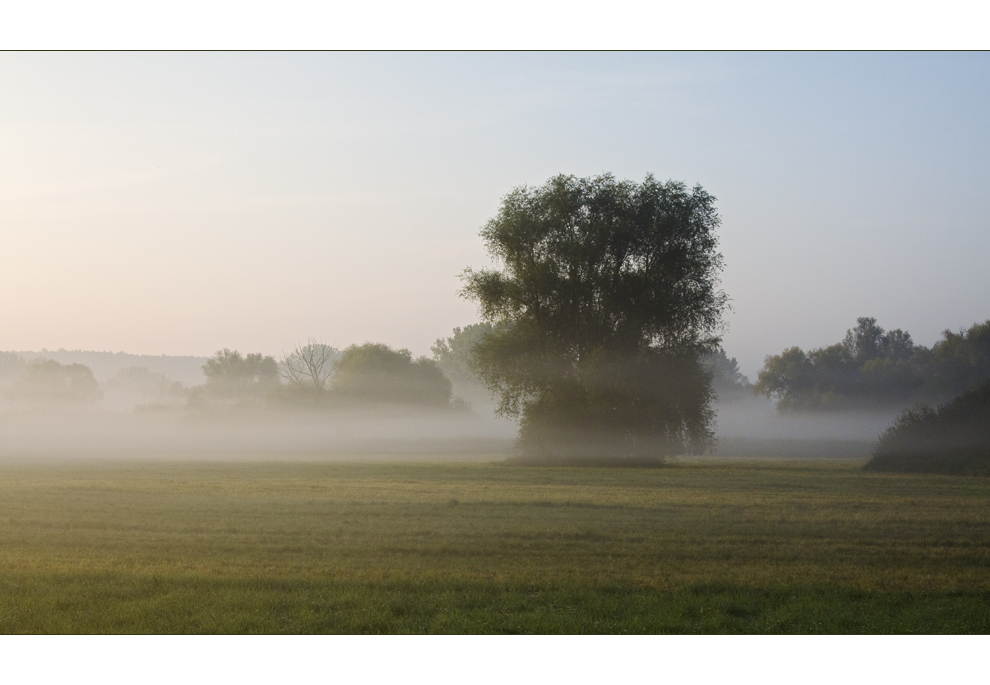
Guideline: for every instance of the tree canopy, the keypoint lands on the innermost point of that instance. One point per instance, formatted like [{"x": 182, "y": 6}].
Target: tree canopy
[
  {"x": 873, "y": 367},
  {"x": 606, "y": 299},
  {"x": 728, "y": 381},
  {"x": 375, "y": 373},
  {"x": 453, "y": 355},
  {"x": 47, "y": 381},
  {"x": 12, "y": 366},
  {"x": 229, "y": 375}
]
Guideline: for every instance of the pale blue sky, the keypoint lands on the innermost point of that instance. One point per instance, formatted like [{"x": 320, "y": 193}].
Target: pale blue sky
[{"x": 179, "y": 203}]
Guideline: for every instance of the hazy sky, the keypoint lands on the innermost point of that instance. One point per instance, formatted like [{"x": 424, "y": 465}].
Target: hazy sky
[{"x": 180, "y": 203}]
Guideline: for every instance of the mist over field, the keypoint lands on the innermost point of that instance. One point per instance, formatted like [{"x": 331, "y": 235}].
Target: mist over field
[
  {"x": 145, "y": 412},
  {"x": 747, "y": 429},
  {"x": 754, "y": 428},
  {"x": 146, "y": 422},
  {"x": 375, "y": 402},
  {"x": 351, "y": 434}
]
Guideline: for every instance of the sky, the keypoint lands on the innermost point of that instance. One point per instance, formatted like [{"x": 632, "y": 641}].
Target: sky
[{"x": 179, "y": 203}]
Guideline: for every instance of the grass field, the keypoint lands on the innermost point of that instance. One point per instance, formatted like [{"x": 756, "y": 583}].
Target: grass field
[{"x": 699, "y": 547}]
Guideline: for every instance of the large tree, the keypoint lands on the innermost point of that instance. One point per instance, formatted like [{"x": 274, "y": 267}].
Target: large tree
[{"x": 605, "y": 300}]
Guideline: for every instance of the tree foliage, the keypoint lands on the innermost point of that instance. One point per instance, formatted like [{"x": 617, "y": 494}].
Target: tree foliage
[
  {"x": 728, "y": 382},
  {"x": 453, "y": 355},
  {"x": 606, "y": 302},
  {"x": 231, "y": 376},
  {"x": 375, "y": 373},
  {"x": 12, "y": 365},
  {"x": 873, "y": 367},
  {"x": 47, "y": 381}
]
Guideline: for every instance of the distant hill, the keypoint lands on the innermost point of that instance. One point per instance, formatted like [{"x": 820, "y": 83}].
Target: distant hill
[{"x": 105, "y": 365}]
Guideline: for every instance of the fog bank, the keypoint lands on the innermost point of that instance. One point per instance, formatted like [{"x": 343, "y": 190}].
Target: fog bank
[
  {"x": 391, "y": 433},
  {"x": 746, "y": 428},
  {"x": 752, "y": 427}
]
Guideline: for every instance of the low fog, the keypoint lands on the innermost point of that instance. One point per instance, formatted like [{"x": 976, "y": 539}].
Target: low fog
[
  {"x": 752, "y": 427},
  {"x": 145, "y": 407},
  {"x": 746, "y": 428},
  {"x": 163, "y": 408},
  {"x": 372, "y": 433}
]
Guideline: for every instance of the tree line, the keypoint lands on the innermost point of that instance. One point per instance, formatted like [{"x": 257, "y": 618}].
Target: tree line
[
  {"x": 317, "y": 374},
  {"x": 314, "y": 374},
  {"x": 871, "y": 367}
]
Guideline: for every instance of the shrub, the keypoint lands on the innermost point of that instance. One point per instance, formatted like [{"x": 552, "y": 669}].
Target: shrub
[{"x": 952, "y": 439}]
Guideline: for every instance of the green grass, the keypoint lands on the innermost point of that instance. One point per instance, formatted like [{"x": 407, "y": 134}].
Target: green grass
[{"x": 704, "y": 546}]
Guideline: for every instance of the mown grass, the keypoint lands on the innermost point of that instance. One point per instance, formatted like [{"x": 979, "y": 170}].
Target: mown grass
[{"x": 705, "y": 546}]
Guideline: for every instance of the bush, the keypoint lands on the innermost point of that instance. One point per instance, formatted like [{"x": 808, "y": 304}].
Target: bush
[{"x": 952, "y": 439}]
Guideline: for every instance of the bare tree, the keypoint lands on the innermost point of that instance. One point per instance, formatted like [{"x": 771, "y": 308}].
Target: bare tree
[{"x": 309, "y": 367}]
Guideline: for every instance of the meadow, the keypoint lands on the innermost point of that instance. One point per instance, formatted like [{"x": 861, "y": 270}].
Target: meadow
[{"x": 701, "y": 546}]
